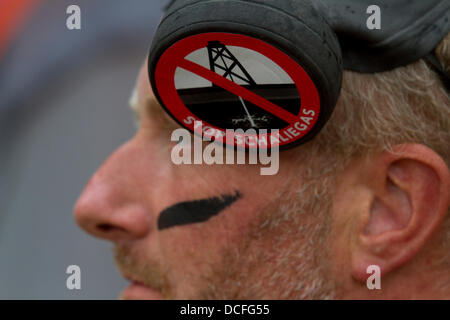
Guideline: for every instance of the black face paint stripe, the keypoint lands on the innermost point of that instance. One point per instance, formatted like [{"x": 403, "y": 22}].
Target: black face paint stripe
[{"x": 194, "y": 211}]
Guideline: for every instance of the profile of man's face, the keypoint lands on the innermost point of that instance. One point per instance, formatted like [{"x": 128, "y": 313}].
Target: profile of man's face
[
  {"x": 228, "y": 232},
  {"x": 233, "y": 252}
]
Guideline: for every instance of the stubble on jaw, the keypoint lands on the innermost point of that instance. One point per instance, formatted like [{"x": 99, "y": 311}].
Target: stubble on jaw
[
  {"x": 283, "y": 256},
  {"x": 149, "y": 272}
]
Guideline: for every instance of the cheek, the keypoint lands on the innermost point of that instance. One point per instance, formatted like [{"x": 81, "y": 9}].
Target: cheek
[
  {"x": 189, "y": 251},
  {"x": 233, "y": 223}
]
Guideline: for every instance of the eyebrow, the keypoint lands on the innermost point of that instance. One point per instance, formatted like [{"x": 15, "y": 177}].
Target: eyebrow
[
  {"x": 147, "y": 106},
  {"x": 133, "y": 103}
]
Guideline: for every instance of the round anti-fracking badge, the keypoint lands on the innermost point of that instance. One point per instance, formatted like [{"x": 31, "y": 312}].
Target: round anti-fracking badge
[{"x": 237, "y": 90}]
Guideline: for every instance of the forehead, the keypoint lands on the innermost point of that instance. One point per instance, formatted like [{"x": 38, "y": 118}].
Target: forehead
[
  {"x": 146, "y": 108},
  {"x": 142, "y": 100}
]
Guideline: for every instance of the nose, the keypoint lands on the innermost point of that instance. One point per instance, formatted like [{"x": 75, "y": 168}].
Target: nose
[{"x": 111, "y": 207}]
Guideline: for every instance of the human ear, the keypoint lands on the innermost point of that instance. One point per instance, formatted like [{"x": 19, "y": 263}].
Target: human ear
[{"x": 409, "y": 197}]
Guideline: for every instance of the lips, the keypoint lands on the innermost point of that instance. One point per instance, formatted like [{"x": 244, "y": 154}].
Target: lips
[{"x": 139, "y": 291}]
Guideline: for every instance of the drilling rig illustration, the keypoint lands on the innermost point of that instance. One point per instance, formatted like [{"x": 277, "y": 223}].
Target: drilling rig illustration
[
  {"x": 219, "y": 107},
  {"x": 216, "y": 51}
]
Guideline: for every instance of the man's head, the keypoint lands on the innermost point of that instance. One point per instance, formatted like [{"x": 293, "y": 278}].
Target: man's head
[{"x": 371, "y": 189}]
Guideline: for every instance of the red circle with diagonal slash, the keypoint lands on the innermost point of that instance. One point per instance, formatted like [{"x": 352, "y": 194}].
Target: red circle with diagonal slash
[{"x": 299, "y": 124}]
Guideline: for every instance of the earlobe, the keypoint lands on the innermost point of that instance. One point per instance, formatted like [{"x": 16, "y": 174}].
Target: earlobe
[{"x": 410, "y": 199}]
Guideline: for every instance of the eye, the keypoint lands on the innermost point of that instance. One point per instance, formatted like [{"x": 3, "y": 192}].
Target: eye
[{"x": 169, "y": 120}]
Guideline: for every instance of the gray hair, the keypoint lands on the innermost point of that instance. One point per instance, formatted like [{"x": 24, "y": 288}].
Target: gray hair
[{"x": 377, "y": 111}]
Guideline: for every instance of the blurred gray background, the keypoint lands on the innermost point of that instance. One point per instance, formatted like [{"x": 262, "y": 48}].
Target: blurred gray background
[{"x": 63, "y": 110}]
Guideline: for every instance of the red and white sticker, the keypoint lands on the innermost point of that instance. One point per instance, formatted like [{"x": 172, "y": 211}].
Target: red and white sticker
[{"x": 232, "y": 81}]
